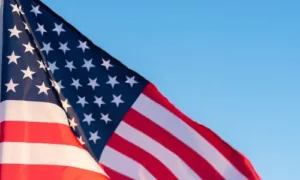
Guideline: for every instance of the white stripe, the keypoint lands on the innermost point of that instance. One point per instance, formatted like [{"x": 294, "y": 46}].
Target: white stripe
[
  {"x": 47, "y": 154},
  {"x": 124, "y": 165},
  {"x": 30, "y": 111},
  {"x": 171, "y": 123},
  {"x": 168, "y": 158}
]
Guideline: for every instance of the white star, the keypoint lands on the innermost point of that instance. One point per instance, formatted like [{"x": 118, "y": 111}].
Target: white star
[
  {"x": 52, "y": 82},
  {"x": 88, "y": 118},
  {"x": 28, "y": 73},
  {"x": 88, "y": 64},
  {"x": 52, "y": 66},
  {"x": 20, "y": 9},
  {"x": 16, "y": 8},
  {"x": 43, "y": 88},
  {"x": 42, "y": 65},
  {"x": 14, "y": 32},
  {"x": 47, "y": 48},
  {"x": 64, "y": 47},
  {"x": 70, "y": 65},
  {"x": 99, "y": 101},
  {"x": 65, "y": 104},
  {"x": 13, "y": 58},
  {"x": 112, "y": 81},
  {"x": 28, "y": 48},
  {"x": 93, "y": 83},
  {"x": 106, "y": 64},
  {"x": 80, "y": 140},
  {"x": 72, "y": 123},
  {"x": 58, "y": 28},
  {"x": 76, "y": 83},
  {"x": 58, "y": 85},
  {"x": 36, "y": 10},
  {"x": 105, "y": 118},
  {"x": 11, "y": 86},
  {"x": 41, "y": 29},
  {"x": 94, "y": 137},
  {"x": 26, "y": 26},
  {"x": 131, "y": 81},
  {"x": 83, "y": 45},
  {"x": 82, "y": 101},
  {"x": 117, "y": 100}
]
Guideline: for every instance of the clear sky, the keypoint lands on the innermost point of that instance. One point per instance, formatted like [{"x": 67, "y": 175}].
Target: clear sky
[{"x": 232, "y": 65}]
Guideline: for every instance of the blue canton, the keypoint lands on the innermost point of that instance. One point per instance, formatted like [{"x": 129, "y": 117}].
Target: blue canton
[{"x": 46, "y": 59}]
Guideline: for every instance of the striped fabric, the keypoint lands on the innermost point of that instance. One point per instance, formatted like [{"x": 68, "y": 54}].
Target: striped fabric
[{"x": 69, "y": 110}]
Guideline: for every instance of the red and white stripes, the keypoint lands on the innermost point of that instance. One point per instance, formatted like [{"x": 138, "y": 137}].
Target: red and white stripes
[
  {"x": 162, "y": 143},
  {"x": 37, "y": 143},
  {"x": 154, "y": 141}
]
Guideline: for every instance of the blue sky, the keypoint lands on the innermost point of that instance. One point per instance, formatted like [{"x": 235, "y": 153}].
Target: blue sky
[{"x": 230, "y": 65}]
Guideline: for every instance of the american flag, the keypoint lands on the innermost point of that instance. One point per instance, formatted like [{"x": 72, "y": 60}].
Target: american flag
[{"x": 69, "y": 110}]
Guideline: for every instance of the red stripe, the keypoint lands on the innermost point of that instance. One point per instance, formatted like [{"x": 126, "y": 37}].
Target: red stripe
[
  {"x": 48, "y": 133},
  {"x": 115, "y": 175},
  {"x": 195, "y": 161},
  {"x": 36, "y": 132},
  {"x": 154, "y": 166},
  {"x": 235, "y": 157},
  {"x": 46, "y": 172}
]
